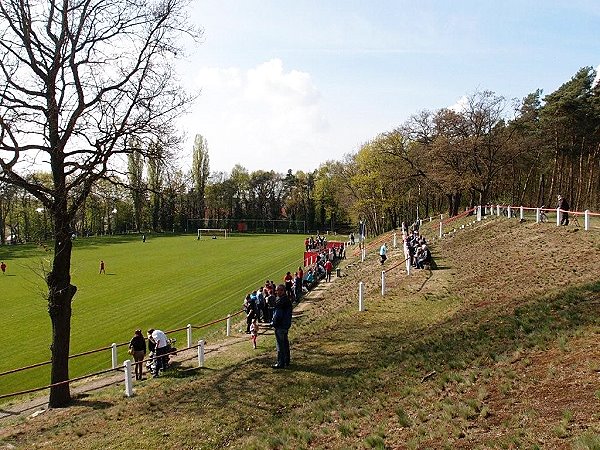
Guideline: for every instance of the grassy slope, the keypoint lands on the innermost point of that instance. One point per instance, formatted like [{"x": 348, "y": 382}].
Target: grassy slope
[
  {"x": 496, "y": 349},
  {"x": 166, "y": 282}
]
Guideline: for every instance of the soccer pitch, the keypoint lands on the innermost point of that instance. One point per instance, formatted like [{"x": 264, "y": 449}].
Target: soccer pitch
[{"x": 166, "y": 282}]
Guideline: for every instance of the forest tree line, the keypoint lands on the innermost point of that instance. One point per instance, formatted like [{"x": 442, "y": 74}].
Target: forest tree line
[{"x": 487, "y": 149}]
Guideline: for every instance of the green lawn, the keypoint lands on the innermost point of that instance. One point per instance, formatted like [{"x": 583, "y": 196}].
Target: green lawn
[{"x": 166, "y": 282}]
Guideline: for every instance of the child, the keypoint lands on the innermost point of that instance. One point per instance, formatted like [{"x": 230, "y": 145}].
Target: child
[{"x": 254, "y": 332}]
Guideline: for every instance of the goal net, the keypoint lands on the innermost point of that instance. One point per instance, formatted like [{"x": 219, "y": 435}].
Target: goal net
[{"x": 209, "y": 233}]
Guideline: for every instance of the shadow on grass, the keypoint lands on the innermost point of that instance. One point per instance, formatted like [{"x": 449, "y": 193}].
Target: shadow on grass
[
  {"x": 351, "y": 362},
  {"x": 82, "y": 400}
]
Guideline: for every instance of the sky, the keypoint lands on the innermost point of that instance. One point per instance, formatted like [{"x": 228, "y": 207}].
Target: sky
[{"x": 290, "y": 85}]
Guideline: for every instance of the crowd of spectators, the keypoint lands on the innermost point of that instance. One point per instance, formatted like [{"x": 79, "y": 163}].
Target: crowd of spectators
[
  {"x": 315, "y": 243},
  {"x": 418, "y": 251},
  {"x": 259, "y": 304}
]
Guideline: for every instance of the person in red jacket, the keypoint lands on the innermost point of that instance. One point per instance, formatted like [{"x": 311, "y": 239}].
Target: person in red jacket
[{"x": 328, "y": 268}]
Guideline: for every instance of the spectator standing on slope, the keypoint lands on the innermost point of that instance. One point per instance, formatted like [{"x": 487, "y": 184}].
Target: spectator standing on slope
[{"x": 282, "y": 321}]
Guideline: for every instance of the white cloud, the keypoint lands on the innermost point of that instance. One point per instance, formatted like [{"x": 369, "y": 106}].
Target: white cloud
[
  {"x": 460, "y": 105},
  {"x": 262, "y": 118}
]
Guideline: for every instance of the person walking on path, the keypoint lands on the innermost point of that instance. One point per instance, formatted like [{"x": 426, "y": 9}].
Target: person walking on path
[
  {"x": 328, "y": 269},
  {"x": 102, "y": 267},
  {"x": 254, "y": 332},
  {"x": 137, "y": 348},
  {"x": 383, "y": 253},
  {"x": 3, "y": 268},
  {"x": 282, "y": 321},
  {"x": 250, "y": 310}
]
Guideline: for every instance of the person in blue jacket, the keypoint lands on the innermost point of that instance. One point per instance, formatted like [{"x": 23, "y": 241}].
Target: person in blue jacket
[{"x": 282, "y": 321}]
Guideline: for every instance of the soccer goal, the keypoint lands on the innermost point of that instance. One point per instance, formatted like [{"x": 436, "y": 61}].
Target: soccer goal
[{"x": 210, "y": 233}]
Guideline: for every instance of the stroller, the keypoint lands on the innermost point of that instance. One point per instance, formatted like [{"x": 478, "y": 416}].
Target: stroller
[{"x": 171, "y": 351}]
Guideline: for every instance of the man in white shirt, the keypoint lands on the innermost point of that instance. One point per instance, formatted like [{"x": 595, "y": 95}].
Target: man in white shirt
[{"x": 159, "y": 339}]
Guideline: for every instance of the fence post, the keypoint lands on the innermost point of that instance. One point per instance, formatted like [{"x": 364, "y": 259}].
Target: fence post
[
  {"x": 395, "y": 240},
  {"x": 383, "y": 282},
  {"x": 537, "y": 215},
  {"x": 189, "y": 335},
  {"x": 479, "y": 213},
  {"x": 113, "y": 348},
  {"x": 498, "y": 210},
  {"x": 558, "y": 217},
  {"x": 128, "y": 378},
  {"x": 509, "y": 211},
  {"x": 441, "y": 232},
  {"x": 363, "y": 254},
  {"x": 361, "y": 289},
  {"x": 228, "y": 325},
  {"x": 522, "y": 213},
  {"x": 586, "y": 220},
  {"x": 201, "y": 353}
]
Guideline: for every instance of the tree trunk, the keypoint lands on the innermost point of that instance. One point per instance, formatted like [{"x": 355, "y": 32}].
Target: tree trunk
[{"x": 60, "y": 295}]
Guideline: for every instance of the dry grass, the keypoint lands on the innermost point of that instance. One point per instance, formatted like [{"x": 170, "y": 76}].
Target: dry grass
[{"x": 498, "y": 348}]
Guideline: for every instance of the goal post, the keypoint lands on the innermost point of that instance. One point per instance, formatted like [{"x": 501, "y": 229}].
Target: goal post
[{"x": 209, "y": 233}]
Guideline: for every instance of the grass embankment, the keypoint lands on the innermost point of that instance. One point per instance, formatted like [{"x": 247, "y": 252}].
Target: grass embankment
[
  {"x": 166, "y": 282},
  {"x": 498, "y": 348}
]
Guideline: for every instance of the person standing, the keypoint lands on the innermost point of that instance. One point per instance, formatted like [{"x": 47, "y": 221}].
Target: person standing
[
  {"x": 289, "y": 284},
  {"x": 328, "y": 269},
  {"x": 3, "y": 268},
  {"x": 254, "y": 332},
  {"x": 159, "y": 338},
  {"x": 563, "y": 204},
  {"x": 250, "y": 310},
  {"x": 137, "y": 348},
  {"x": 282, "y": 321},
  {"x": 383, "y": 253},
  {"x": 102, "y": 268}
]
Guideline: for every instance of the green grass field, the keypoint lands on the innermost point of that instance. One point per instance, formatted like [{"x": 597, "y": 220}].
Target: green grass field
[{"x": 165, "y": 283}]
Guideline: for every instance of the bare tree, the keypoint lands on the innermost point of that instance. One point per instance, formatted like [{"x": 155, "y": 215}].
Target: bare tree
[{"x": 78, "y": 78}]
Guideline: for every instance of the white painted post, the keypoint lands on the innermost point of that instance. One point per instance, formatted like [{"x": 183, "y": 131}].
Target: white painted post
[
  {"x": 395, "y": 240},
  {"x": 382, "y": 283},
  {"x": 537, "y": 214},
  {"x": 228, "y": 325},
  {"x": 441, "y": 229},
  {"x": 128, "y": 379},
  {"x": 586, "y": 219},
  {"x": 408, "y": 266},
  {"x": 430, "y": 218},
  {"x": 201, "y": 353},
  {"x": 558, "y": 217},
  {"x": 363, "y": 254},
  {"x": 522, "y": 213},
  {"x": 509, "y": 211},
  {"x": 114, "y": 355},
  {"x": 498, "y": 210},
  {"x": 361, "y": 289},
  {"x": 189, "y": 335},
  {"x": 479, "y": 214}
]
